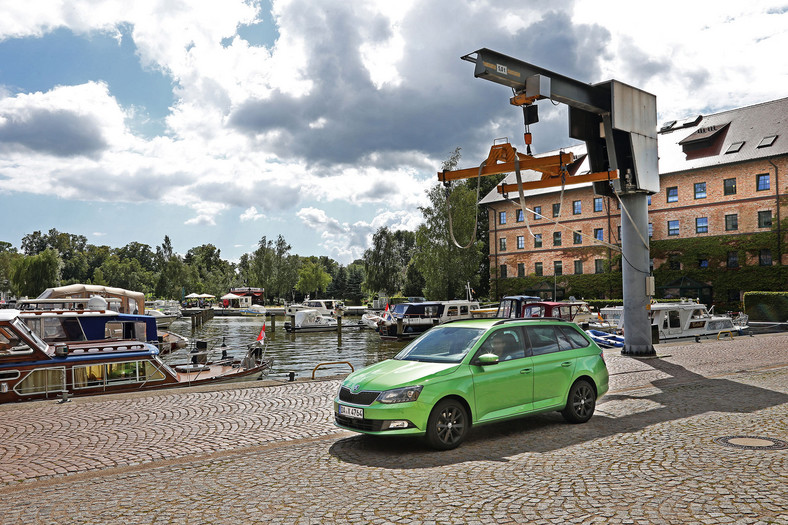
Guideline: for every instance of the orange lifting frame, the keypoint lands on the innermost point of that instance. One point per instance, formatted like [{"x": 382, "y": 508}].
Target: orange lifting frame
[{"x": 502, "y": 160}]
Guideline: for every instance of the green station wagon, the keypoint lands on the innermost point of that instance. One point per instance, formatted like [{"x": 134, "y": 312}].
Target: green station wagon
[{"x": 467, "y": 373}]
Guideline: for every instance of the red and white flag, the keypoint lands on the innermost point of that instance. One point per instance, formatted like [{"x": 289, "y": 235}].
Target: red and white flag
[{"x": 262, "y": 332}]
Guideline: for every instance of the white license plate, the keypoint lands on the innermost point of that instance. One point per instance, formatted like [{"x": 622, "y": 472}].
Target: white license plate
[{"x": 353, "y": 412}]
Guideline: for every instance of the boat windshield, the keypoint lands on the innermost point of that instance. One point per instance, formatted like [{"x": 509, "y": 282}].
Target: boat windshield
[{"x": 449, "y": 344}]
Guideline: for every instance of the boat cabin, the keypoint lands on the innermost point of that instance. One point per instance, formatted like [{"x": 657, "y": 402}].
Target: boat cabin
[{"x": 512, "y": 306}]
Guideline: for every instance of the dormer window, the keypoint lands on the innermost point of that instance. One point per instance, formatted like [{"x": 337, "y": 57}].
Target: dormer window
[{"x": 767, "y": 141}]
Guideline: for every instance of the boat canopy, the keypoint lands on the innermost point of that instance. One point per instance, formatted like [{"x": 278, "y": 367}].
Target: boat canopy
[{"x": 130, "y": 302}]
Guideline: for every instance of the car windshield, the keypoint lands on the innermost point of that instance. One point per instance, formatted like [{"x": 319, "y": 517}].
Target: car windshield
[{"x": 447, "y": 344}]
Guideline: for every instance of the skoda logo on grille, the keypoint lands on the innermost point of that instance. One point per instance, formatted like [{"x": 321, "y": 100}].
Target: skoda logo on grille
[{"x": 355, "y": 389}]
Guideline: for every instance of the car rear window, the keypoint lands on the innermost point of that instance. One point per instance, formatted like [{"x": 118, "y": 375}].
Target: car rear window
[
  {"x": 569, "y": 338},
  {"x": 542, "y": 339}
]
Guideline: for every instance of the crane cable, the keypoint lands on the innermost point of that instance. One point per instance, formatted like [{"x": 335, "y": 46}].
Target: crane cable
[{"x": 476, "y": 216}]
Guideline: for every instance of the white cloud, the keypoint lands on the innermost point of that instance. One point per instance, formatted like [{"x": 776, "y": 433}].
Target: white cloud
[{"x": 251, "y": 214}]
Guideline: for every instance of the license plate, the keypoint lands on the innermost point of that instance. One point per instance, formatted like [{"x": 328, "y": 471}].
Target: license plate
[{"x": 353, "y": 412}]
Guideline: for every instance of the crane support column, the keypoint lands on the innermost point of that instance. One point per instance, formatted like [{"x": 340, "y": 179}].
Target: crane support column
[{"x": 635, "y": 265}]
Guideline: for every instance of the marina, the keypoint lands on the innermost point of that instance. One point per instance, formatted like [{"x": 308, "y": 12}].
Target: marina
[{"x": 293, "y": 352}]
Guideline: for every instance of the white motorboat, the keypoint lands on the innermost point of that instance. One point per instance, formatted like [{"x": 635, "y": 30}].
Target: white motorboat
[
  {"x": 686, "y": 318},
  {"x": 408, "y": 320},
  {"x": 309, "y": 320}
]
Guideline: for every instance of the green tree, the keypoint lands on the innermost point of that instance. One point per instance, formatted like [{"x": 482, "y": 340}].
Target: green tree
[
  {"x": 355, "y": 279},
  {"x": 382, "y": 263},
  {"x": 445, "y": 267},
  {"x": 312, "y": 278},
  {"x": 70, "y": 247},
  {"x": 33, "y": 274},
  {"x": 8, "y": 256},
  {"x": 140, "y": 252}
]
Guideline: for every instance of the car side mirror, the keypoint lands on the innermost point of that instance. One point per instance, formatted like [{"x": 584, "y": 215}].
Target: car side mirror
[{"x": 487, "y": 359}]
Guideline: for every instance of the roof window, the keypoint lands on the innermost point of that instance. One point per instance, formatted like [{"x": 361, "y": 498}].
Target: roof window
[
  {"x": 767, "y": 141},
  {"x": 735, "y": 147}
]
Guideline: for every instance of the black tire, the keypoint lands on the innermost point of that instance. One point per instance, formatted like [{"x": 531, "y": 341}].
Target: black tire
[
  {"x": 448, "y": 425},
  {"x": 580, "y": 403}
]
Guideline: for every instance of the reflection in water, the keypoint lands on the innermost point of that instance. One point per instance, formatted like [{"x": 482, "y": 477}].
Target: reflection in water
[{"x": 299, "y": 353}]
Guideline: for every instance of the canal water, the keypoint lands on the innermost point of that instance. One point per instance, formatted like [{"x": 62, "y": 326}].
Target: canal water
[{"x": 299, "y": 353}]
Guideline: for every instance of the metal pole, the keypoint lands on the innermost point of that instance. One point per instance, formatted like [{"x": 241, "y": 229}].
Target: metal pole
[{"x": 635, "y": 270}]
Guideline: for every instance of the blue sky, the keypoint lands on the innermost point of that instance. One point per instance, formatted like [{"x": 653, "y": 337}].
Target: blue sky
[{"x": 222, "y": 122}]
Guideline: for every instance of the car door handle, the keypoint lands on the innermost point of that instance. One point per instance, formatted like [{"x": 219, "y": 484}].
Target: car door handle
[
  {"x": 566, "y": 363},
  {"x": 525, "y": 371}
]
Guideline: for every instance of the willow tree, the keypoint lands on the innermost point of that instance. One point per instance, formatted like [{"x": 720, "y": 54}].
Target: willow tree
[{"x": 447, "y": 263}]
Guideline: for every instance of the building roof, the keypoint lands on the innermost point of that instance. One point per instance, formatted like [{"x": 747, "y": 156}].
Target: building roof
[{"x": 698, "y": 141}]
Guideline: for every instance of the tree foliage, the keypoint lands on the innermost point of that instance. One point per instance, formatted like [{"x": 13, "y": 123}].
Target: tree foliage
[{"x": 312, "y": 278}]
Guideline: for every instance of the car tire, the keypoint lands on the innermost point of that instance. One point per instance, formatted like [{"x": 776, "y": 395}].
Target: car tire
[
  {"x": 580, "y": 402},
  {"x": 447, "y": 425}
]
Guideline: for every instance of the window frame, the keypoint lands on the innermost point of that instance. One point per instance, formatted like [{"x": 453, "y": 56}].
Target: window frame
[
  {"x": 671, "y": 228},
  {"x": 538, "y": 269},
  {"x": 761, "y": 222},
  {"x": 699, "y": 227},
  {"x": 672, "y": 194},
  {"x": 599, "y": 205},
  {"x": 501, "y": 217},
  {"x": 557, "y": 239},
  {"x": 577, "y": 207},
  {"x": 699, "y": 189},
  {"x": 763, "y": 177},
  {"x": 729, "y": 189}
]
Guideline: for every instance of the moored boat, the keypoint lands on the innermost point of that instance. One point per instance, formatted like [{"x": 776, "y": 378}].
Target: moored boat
[
  {"x": 409, "y": 320},
  {"x": 31, "y": 368},
  {"x": 309, "y": 320}
]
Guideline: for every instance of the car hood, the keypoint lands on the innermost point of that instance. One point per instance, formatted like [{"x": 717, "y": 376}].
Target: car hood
[{"x": 394, "y": 373}]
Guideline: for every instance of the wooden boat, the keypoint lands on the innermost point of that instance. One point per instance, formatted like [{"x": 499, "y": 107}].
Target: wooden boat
[{"x": 30, "y": 368}]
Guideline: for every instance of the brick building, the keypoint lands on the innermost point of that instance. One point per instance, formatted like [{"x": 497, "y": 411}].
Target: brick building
[{"x": 722, "y": 210}]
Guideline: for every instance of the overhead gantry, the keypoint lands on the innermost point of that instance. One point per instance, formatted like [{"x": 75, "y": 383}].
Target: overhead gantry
[{"x": 618, "y": 124}]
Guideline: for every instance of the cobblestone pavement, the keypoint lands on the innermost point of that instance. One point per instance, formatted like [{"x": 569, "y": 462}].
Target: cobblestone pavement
[{"x": 246, "y": 454}]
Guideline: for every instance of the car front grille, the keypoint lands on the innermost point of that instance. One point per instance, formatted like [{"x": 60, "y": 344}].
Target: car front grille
[
  {"x": 361, "y": 398},
  {"x": 370, "y": 425}
]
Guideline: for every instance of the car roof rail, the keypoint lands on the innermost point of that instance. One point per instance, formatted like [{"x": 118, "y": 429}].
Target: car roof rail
[{"x": 509, "y": 319}]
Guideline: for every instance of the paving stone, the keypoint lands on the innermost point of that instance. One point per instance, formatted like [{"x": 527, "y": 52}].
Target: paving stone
[{"x": 271, "y": 454}]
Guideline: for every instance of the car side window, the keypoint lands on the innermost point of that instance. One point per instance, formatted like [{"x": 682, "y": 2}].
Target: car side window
[
  {"x": 542, "y": 339},
  {"x": 507, "y": 344},
  {"x": 572, "y": 337}
]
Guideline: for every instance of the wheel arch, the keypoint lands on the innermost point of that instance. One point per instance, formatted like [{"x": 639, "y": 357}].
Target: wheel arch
[
  {"x": 464, "y": 403},
  {"x": 587, "y": 378}
]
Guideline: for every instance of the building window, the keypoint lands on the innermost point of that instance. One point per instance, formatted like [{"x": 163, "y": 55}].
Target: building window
[
  {"x": 673, "y": 194},
  {"x": 734, "y": 148},
  {"x": 763, "y": 182},
  {"x": 650, "y": 230},
  {"x": 556, "y": 238},
  {"x": 599, "y": 234},
  {"x": 618, "y": 232},
  {"x": 733, "y": 259},
  {"x": 520, "y": 242},
  {"x": 501, "y": 217},
  {"x": 502, "y": 244},
  {"x": 537, "y": 213},
  {"x": 673, "y": 227},
  {"x": 556, "y": 209},
  {"x": 702, "y": 225},
  {"x": 674, "y": 263},
  {"x": 599, "y": 266},
  {"x": 520, "y": 269},
  {"x": 558, "y": 268},
  {"x": 598, "y": 206},
  {"x": 649, "y": 200},
  {"x": 732, "y": 222},
  {"x": 503, "y": 271},
  {"x": 578, "y": 267},
  {"x": 577, "y": 208},
  {"x": 538, "y": 268},
  {"x": 519, "y": 216},
  {"x": 765, "y": 258},
  {"x": 700, "y": 190},
  {"x": 577, "y": 238},
  {"x": 537, "y": 240},
  {"x": 729, "y": 186},
  {"x": 765, "y": 219},
  {"x": 703, "y": 263}
]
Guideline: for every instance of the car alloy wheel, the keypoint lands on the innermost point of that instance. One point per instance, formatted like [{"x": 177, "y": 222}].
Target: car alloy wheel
[
  {"x": 447, "y": 425},
  {"x": 580, "y": 403}
]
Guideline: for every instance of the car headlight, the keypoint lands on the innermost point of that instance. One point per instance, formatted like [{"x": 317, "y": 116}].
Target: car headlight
[{"x": 400, "y": 395}]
